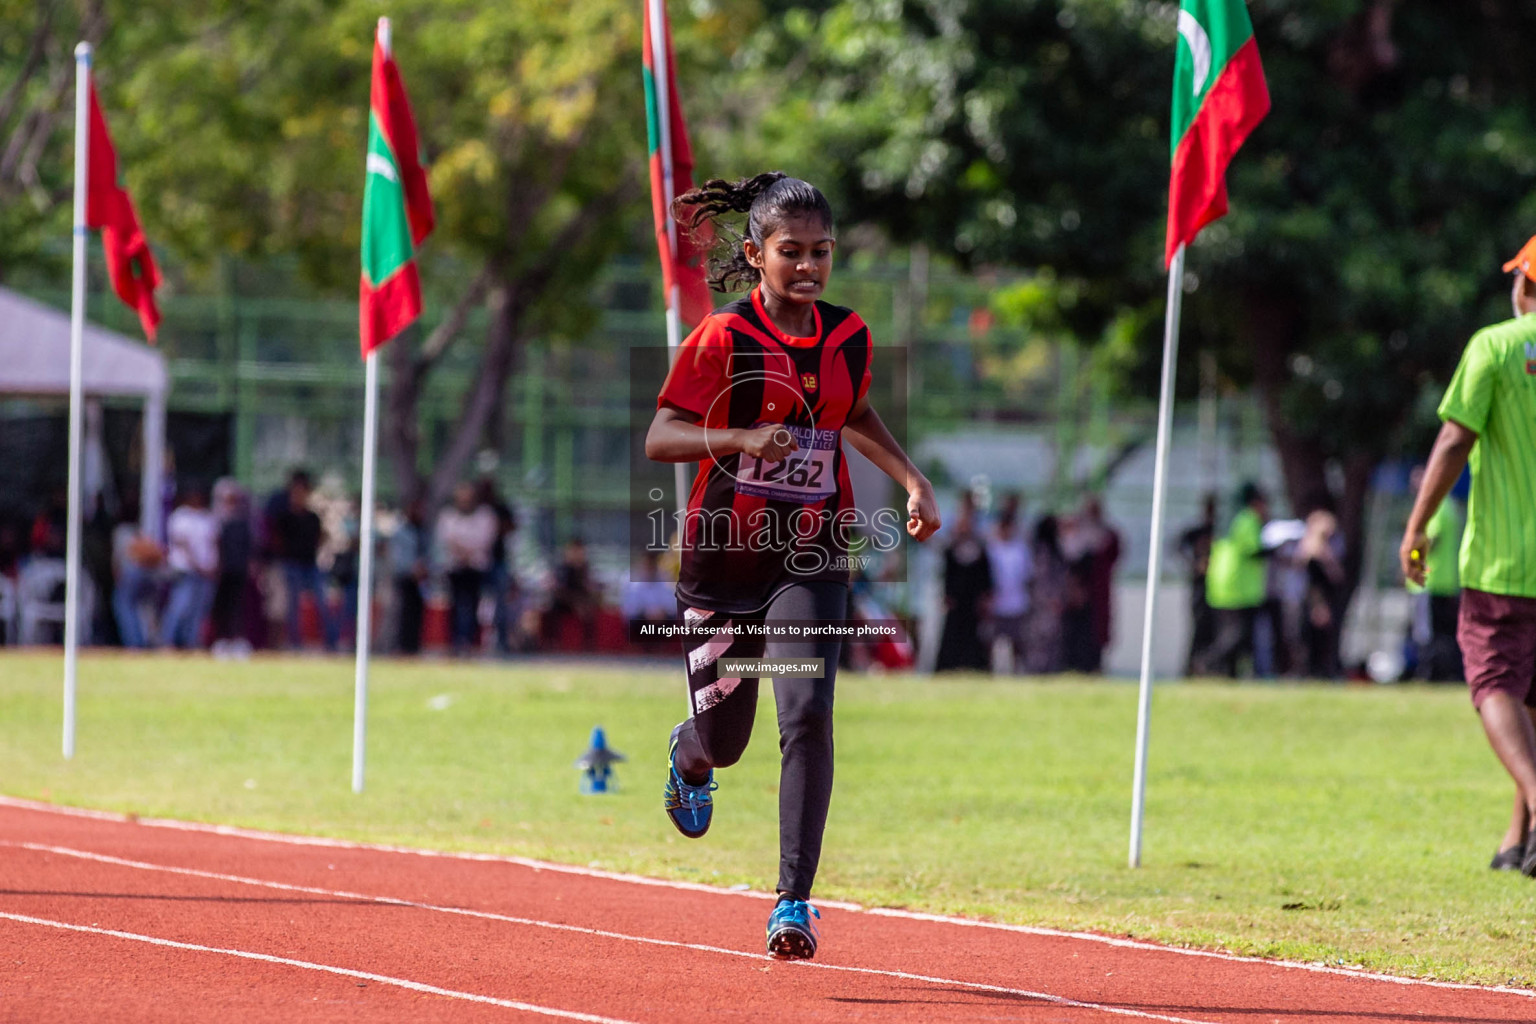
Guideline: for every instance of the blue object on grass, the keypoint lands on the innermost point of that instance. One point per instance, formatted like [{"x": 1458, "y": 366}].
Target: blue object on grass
[{"x": 596, "y": 765}]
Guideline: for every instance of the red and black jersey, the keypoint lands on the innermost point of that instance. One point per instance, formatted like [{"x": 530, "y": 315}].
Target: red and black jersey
[{"x": 753, "y": 527}]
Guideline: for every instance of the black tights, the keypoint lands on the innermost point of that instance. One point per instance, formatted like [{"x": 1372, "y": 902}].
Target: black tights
[{"x": 717, "y": 733}]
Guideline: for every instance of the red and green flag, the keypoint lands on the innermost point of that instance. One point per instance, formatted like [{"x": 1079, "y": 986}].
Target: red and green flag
[
  {"x": 682, "y": 265},
  {"x": 397, "y": 209},
  {"x": 1219, "y": 96}
]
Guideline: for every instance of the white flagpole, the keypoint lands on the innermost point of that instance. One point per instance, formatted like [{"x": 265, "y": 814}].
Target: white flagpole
[
  {"x": 674, "y": 340},
  {"x": 662, "y": 72},
  {"x": 365, "y": 539},
  {"x": 1155, "y": 554},
  {"x": 76, "y": 398},
  {"x": 365, "y": 570}
]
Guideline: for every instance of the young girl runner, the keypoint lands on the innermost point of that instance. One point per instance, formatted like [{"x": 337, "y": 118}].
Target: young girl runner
[{"x": 761, "y": 396}]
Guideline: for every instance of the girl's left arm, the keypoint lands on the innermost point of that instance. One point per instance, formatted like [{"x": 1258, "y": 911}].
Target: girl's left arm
[{"x": 870, "y": 438}]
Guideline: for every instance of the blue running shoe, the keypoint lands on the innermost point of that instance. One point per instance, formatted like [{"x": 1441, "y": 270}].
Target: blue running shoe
[
  {"x": 791, "y": 932},
  {"x": 690, "y": 807}
]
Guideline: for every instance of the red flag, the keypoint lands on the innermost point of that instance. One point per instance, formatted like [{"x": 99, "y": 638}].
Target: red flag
[
  {"x": 397, "y": 209},
  {"x": 685, "y": 266},
  {"x": 130, "y": 264}
]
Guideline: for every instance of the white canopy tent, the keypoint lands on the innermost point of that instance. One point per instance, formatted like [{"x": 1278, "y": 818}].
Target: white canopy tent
[{"x": 34, "y": 360}]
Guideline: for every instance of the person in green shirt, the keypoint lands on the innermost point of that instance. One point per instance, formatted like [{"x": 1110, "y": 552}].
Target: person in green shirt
[
  {"x": 1489, "y": 414},
  {"x": 1234, "y": 584},
  {"x": 1438, "y": 602}
]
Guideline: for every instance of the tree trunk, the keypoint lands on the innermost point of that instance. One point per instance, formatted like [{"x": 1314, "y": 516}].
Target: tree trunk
[
  {"x": 489, "y": 388},
  {"x": 1358, "y": 470},
  {"x": 510, "y": 294},
  {"x": 1274, "y": 327},
  {"x": 409, "y": 367},
  {"x": 24, "y": 143},
  {"x": 402, "y": 427}
]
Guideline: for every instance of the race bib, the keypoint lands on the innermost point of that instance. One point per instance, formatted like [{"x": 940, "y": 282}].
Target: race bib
[{"x": 805, "y": 476}]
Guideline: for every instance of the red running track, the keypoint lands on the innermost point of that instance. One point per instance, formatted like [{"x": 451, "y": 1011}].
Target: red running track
[{"x": 106, "y": 918}]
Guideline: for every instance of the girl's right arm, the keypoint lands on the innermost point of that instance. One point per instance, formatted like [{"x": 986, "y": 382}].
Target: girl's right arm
[{"x": 674, "y": 437}]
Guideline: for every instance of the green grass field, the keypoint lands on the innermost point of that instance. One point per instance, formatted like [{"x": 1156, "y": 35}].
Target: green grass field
[{"x": 1343, "y": 824}]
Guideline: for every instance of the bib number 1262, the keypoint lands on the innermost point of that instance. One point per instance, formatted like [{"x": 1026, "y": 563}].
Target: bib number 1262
[{"x": 804, "y": 476}]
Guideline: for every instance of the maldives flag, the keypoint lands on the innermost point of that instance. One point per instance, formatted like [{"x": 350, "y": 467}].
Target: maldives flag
[
  {"x": 1219, "y": 95},
  {"x": 683, "y": 267},
  {"x": 397, "y": 209},
  {"x": 130, "y": 264}
]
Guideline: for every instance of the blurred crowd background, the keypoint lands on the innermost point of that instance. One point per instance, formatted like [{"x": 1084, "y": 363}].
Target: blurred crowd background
[{"x": 234, "y": 572}]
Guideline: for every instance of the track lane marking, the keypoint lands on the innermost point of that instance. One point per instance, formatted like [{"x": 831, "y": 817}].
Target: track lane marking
[
  {"x": 236, "y": 832},
  {"x": 383, "y": 979},
  {"x": 488, "y": 915}
]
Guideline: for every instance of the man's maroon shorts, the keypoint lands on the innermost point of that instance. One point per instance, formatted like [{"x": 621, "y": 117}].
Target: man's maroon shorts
[{"x": 1498, "y": 644}]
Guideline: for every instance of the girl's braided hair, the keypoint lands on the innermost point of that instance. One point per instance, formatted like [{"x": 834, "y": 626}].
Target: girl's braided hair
[{"x": 767, "y": 199}]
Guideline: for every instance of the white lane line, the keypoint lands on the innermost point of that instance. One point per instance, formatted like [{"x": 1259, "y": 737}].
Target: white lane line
[
  {"x": 234, "y": 831},
  {"x": 487, "y": 915},
  {"x": 383, "y": 979},
  {"x": 326, "y": 842}
]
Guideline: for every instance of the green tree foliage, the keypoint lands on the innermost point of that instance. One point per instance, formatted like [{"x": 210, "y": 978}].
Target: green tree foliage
[
  {"x": 1370, "y": 211},
  {"x": 241, "y": 127},
  {"x": 249, "y": 123},
  {"x": 37, "y": 78}
]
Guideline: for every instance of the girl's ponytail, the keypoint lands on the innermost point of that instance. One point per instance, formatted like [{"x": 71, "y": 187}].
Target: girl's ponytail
[{"x": 767, "y": 200}]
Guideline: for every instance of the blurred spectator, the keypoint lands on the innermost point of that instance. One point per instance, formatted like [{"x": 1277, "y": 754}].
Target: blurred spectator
[
  {"x": 232, "y": 509},
  {"x": 1235, "y": 585},
  {"x": 49, "y": 537},
  {"x": 168, "y": 491},
  {"x": 1437, "y": 604},
  {"x": 1092, "y": 548},
  {"x": 1320, "y": 554},
  {"x": 407, "y": 559},
  {"x": 575, "y": 596},
  {"x": 273, "y": 606},
  {"x": 1008, "y": 555},
  {"x": 466, "y": 533},
  {"x": 96, "y": 560},
  {"x": 499, "y": 583},
  {"x": 649, "y": 596},
  {"x": 344, "y": 570},
  {"x": 1280, "y": 635},
  {"x": 1105, "y": 547},
  {"x": 11, "y": 548},
  {"x": 1047, "y": 600},
  {"x": 1195, "y": 548},
  {"x": 967, "y": 582},
  {"x": 295, "y": 535},
  {"x": 192, "y": 555},
  {"x": 1076, "y": 611},
  {"x": 10, "y": 553},
  {"x": 867, "y": 607},
  {"x": 136, "y": 559}
]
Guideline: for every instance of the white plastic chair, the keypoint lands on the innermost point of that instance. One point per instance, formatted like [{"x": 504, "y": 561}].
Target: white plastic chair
[{"x": 39, "y": 598}]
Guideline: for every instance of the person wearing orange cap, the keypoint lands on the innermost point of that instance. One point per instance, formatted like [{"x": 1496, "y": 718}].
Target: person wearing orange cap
[{"x": 1489, "y": 414}]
